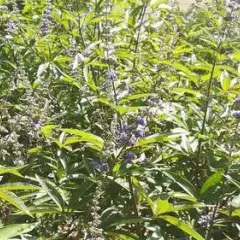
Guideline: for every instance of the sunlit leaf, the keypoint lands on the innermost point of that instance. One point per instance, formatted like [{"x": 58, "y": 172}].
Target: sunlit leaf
[
  {"x": 14, "y": 230},
  {"x": 186, "y": 227}
]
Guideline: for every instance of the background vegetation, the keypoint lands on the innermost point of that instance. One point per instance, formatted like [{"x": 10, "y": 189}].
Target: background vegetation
[{"x": 119, "y": 120}]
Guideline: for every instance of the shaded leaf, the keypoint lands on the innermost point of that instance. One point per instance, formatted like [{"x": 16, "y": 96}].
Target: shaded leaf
[
  {"x": 13, "y": 199},
  {"x": 51, "y": 190}
]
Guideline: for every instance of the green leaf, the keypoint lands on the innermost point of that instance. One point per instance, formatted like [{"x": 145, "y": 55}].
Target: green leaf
[
  {"x": 236, "y": 56},
  {"x": 121, "y": 235},
  {"x": 186, "y": 90},
  {"x": 152, "y": 139},
  {"x": 14, "y": 230},
  {"x": 183, "y": 196},
  {"x": 186, "y": 227},
  {"x": 230, "y": 213},
  {"x": 225, "y": 81},
  {"x": 89, "y": 78},
  {"x": 12, "y": 170},
  {"x": 161, "y": 206},
  {"x": 52, "y": 191},
  {"x": 46, "y": 209},
  {"x": 136, "y": 96},
  {"x": 13, "y": 199},
  {"x": 211, "y": 182},
  {"x": 47, "y": 130},
  {"x": 42, "y": 68},
  {"x": 95, "y": 141},
  {"x": 183, "y": 69},
  {"x": 182, "y": 182},
  {"x": 18, "y": 186},
  {"x": 120, "y": 109}
]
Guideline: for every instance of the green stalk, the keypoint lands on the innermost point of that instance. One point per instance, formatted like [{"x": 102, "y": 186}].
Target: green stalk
[
  {"x": 199, "y": 163},
  {"x": 134, "y": 205},
  {"x": 129, "y": 179},
  {"x": 143, "y": 12},
  {"x": 199, "y": 151}
]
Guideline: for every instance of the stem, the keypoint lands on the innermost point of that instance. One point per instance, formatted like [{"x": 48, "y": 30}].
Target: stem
[
  {"x": 199, "y": 151},
  {"x": 134, "y": 205},
  {"x": 109, "y": 66},
  {"x": 129, "y": 179},
  {"x": 139, "y": 33}
]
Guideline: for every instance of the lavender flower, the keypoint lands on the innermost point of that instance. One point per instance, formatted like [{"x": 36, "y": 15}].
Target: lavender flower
[
  {"x": 105, "y": 167},
  {"x": 101, "y": 167},
  {"x": 140, "y": 121},
  {"x": 236, "y": 115},
  {"x": 112, "y": 75},
  {"x": 11, "y": 27},
  {"x": 123, "y": 138},
  {"x": 237, "y": 101},
  {"x": 46, "y": 20},
  {"x": 139, "y": 133},
  {"x": 132, "y": 141},
  {"x": 125, "y": 128},
  {"x": 129, "y": 156}
]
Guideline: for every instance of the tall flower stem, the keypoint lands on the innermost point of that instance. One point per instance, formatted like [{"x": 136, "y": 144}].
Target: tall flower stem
[
  {"x": 143, "y": 12},
  {"x": 221, "y": 36},
  {"x": 199, "y": 163},
  {"x": 129, "y": 179},
  {"x": 134, "y": 204}
]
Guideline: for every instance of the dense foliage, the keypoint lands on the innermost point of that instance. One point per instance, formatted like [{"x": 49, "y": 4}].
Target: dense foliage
[{"x": 119, "y": 120}]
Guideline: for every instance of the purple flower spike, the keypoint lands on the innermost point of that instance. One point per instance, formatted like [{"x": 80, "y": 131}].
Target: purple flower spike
[
  {"x": 139, "y": 133},
  {"x": 112, "y": 75},
  {"x": 105, "y": 167},
  {"x": 140, "y": 121},
  {"x": 129, "y": 156},
  {"x": 237, "y": 101},
  {"x": 236, "y": 115},
  {"x": 132, "y": 141},
  {"x": 122, "y": 138}
]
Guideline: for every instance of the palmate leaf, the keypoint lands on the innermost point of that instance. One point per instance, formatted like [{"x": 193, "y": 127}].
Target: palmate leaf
[
  {"x": 52, "y": 191},
  {"x": 14, "y": 230},
  {"x": 13, "y": 199},
  {"x": 186, "y": 227}
]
